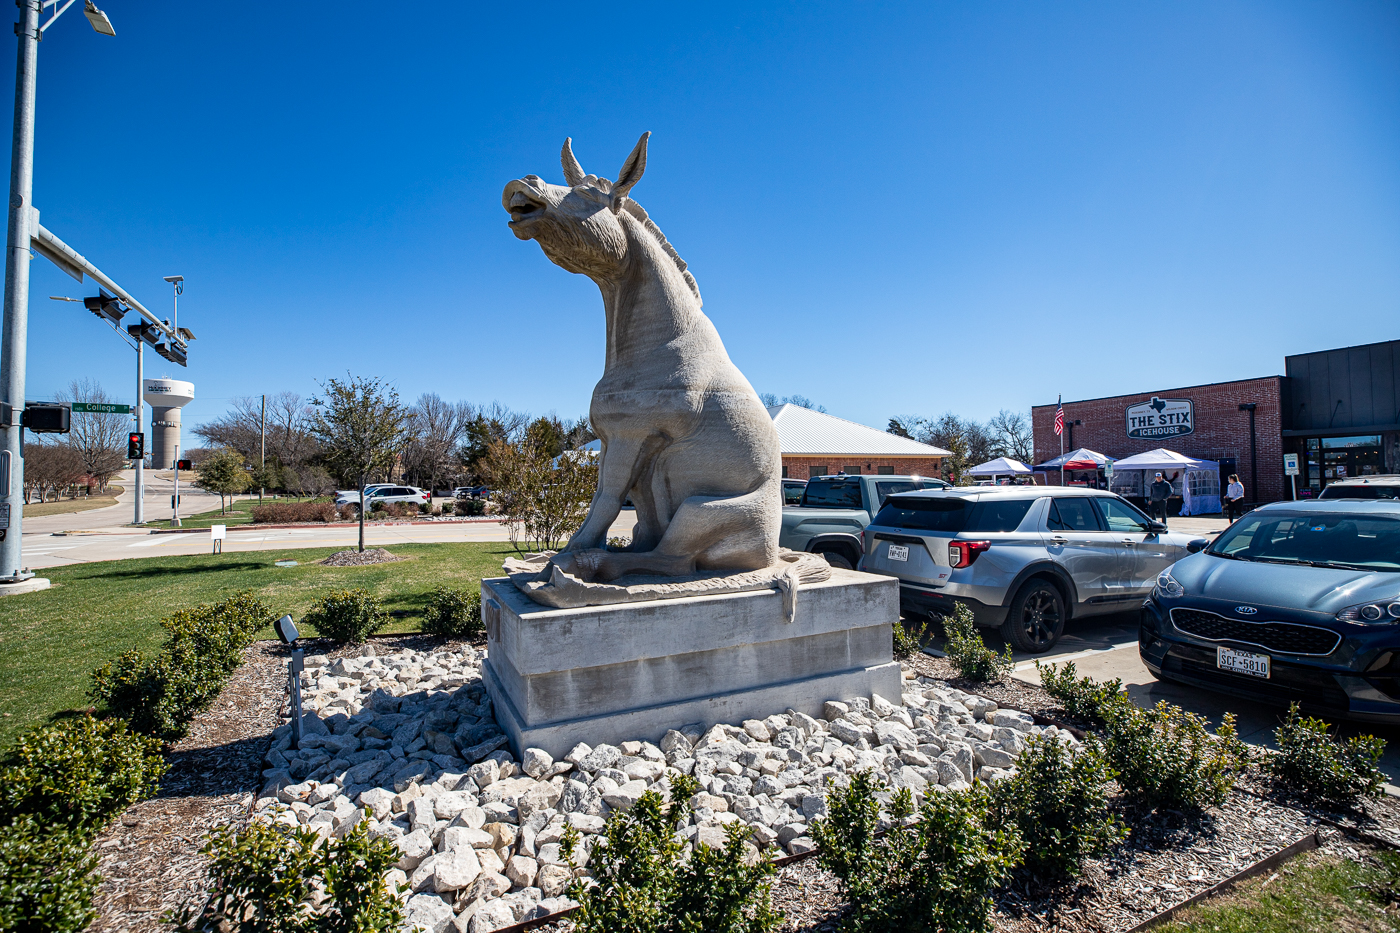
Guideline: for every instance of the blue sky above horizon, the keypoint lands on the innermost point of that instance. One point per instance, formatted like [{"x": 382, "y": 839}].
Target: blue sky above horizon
[{"x": 889, "y": 208}]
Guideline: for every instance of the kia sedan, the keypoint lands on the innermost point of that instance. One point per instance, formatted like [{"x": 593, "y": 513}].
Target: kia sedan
[{"x": 1294, "y": 601}]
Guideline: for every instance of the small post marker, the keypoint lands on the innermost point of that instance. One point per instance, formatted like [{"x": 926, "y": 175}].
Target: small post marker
[
  {"x": 216, "y": 535},
  {"x": 287, "y": 632}
]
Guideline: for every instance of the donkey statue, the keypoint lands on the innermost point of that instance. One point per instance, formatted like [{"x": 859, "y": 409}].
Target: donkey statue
[{"x": 683, "y": 433}]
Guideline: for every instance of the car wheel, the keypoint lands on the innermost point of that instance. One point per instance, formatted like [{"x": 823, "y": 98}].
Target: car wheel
[
  {"x": 1037, "y": 618},
  {"x": 837, "y": 559}
]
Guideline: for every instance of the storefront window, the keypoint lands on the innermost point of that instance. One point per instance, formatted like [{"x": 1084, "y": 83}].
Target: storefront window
[{"x": 1343, "y": 457}]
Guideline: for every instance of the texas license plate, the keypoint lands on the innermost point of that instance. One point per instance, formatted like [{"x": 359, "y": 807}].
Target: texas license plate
[
  {"x": 1242, "y": 662},
  {"x": 898, "y": 552}
]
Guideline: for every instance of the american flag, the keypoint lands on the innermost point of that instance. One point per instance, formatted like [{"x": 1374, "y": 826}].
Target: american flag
[{"x": 1059, "y": 417}]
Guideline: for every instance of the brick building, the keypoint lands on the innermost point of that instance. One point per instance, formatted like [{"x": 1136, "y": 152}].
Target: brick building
[
  {"x": 1338, "y": 410},
  {"x": 817, "y": 444},
  {"x": 1219, "y": 430}
]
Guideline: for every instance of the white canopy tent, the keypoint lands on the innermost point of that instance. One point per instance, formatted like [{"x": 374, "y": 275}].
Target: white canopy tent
[
  {"x": 1001, "y": 466},
  {"x": 1197, "y": 481}
]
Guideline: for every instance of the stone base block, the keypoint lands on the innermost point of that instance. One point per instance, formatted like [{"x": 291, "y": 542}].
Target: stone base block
[{"x": 612, "y": 673}]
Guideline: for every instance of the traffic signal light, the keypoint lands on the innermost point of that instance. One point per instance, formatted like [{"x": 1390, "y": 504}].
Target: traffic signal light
[
  {"x": 105, "y": 306},
  {"x": 46, "y": 417},
  {"x": 184, "y": 464},
  {"x": 136, "y": 446}
]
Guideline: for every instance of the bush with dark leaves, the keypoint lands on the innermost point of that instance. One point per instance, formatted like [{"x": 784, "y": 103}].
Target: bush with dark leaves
[
  {"x": 453, "y": 612},
  {"x": 1310, "y": 761},
  {"x": 1166, "y": 757},
  {"x": 347, "y": 615}
]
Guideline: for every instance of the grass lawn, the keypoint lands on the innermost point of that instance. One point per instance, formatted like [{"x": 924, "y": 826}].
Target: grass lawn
[
  {"x": 66, "y": 506},
  {"x": 240, "y": 512},
  {"x": 51, "y": 640},
  {"x": 1313, "y": 892}
]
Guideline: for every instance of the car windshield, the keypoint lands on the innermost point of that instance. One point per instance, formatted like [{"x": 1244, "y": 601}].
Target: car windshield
[
  {"x": 1360, "y": 491},
  {"x": 832, "y": 493},
  {"x": 1319, "y": 539},
  {"x": 953, "y": 514}
]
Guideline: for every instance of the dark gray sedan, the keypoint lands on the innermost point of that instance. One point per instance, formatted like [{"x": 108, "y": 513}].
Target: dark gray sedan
[{"x": 1295, "y": 601}]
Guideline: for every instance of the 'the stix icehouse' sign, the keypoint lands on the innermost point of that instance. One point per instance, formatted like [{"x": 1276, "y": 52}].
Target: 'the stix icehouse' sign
[{"x": 1161, "y": 417}]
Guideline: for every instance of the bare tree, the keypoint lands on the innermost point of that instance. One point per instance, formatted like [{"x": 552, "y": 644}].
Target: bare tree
[
  {"x": 291, "y": 443},
  {"x": 801, "y": 401},
  {"x": 362, "y": 427},
  {"x": 435, "y": 431},
  {"x": 1013, "y": 435},
  {"x": 50, "y": 467},
  {"x": 99, "y": 439}
]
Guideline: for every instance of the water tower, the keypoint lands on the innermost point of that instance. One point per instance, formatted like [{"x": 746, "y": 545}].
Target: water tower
[{"x": 166, "y": 398}]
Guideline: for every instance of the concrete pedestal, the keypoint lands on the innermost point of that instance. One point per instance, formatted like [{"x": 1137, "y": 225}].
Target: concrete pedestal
[
  {"x": 613, "y": 673},
  {"x": 32, "y": 585}
]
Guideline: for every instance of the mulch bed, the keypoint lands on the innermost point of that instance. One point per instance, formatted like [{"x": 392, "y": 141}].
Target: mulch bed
[
  {"x": 374, "y": 555},
  {"x": 150, "y": 859}
]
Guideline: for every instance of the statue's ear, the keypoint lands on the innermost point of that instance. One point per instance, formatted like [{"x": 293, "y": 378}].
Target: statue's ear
[
  {"x": 632, "y": 170},
  {"x": 573, "y": 172}
]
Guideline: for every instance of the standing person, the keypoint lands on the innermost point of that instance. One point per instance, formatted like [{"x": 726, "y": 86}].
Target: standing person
[
  {"x": 1234, "y": 498},
  {"x": 1157, "y": 495}
]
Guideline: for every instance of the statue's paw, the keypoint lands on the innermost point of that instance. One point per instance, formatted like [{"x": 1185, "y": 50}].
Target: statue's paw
[{"x": 582, "y": 564}]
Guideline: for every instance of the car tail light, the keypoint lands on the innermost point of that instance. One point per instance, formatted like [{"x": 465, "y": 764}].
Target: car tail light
[{"x": 963, "y": 553}]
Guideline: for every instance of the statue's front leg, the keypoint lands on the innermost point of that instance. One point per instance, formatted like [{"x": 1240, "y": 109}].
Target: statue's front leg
[{"x": 618, "y": 467}]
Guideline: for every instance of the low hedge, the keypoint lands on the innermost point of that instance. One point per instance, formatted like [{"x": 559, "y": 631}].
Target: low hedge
[
  {"x": 47, "y": 878},
  {"x": 78, "y": 773},
  {"x": 453, "y": 612},
  {"x": 161, "y": 694},
  {"x": 284, "y": 512},
  {"x": 347, "y": 615}
]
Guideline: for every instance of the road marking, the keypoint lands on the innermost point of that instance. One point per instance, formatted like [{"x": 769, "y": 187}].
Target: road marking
[
  {"x": 1088, "y": 652},
  {"x": 155, "y": 540}
]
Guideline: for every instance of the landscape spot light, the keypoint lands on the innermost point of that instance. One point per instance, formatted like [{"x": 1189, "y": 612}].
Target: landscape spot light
[
  {"x": 286, "y": 630},
  {"x": 100, "y": 23}
]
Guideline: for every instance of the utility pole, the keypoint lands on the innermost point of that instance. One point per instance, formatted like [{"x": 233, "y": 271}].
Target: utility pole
[
  {"x": 175, "y": 499},
  {"x": 262, "y": 440},
  {"x": 139, "y": 518},
  {"x": 12, "y": 355},
  {"x": 23, "y": 225}
]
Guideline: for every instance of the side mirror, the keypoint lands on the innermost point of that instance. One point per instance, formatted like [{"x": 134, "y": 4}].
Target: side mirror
[
  {"x": 1196, "y": 544},
  {"x": 1156, "y": 528},
  {"x": 286, "y": 630}
]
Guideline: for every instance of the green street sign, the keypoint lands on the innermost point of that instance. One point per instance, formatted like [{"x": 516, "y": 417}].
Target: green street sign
[{"x": 102, "y": 409}]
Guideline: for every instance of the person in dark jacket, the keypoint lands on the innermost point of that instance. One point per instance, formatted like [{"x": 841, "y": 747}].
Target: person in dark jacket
[{"x": 1157, "y": 495}]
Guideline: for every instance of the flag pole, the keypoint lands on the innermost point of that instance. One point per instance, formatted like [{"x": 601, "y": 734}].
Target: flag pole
[{"x": 1059, "y": 408}]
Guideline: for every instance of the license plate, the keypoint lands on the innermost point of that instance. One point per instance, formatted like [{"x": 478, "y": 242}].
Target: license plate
[
  {"x": 898, "y": 552},
  {"x": 1242, "y": 662}
]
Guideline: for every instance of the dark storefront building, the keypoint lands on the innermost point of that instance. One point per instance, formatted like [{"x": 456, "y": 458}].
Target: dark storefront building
[{"x": 1338, "y": 410}]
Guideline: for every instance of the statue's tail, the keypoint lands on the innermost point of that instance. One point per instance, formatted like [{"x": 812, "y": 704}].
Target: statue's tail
[{"x": 797, "y": 568}]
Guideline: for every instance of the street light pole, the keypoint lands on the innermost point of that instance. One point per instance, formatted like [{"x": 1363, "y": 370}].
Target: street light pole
[
  {"x": 22, "y": 221},
  {"x": 139, "y": 517},
  {"x": 12, "y": 355}
]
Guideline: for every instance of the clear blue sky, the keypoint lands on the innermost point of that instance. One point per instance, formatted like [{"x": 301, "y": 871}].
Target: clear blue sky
[{"x": 890, "y": 209}]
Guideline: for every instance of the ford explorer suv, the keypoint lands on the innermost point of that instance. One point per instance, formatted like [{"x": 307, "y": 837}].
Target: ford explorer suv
[
  {"x": 1024, "y": 559},
  {"x": 831, "y": 516}
]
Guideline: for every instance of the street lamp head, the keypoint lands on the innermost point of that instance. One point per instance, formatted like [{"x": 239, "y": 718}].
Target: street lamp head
[
  {"x": 174, "y": 278},
  {"x": 100, "y": 23},
  {"x": 185, "y": 332},
  {"x": 286, "y": 630}
]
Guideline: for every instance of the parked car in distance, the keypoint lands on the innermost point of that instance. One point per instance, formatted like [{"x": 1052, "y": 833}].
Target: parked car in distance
[
  {"x": 471, "y": 492},
  {"x": 792, "y": 491},
  {"x": 1294, "y": 601},
  {"x": 1385, "y": 486},
  {"x": 1024, "y": 559},
  {"x": 354, "y": 493},
  {"x": 831, "y": 516},
  {"x": 385, "y": 495}
]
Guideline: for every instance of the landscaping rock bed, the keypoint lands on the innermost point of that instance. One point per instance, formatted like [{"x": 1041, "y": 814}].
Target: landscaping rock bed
[{"x": 355, "y": 558}]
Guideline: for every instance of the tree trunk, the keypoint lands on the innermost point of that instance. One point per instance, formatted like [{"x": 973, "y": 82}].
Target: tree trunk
[{"x": 362, "y": 514}]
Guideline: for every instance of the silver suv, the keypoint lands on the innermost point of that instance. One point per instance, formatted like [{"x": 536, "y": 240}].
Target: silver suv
[{"x": 1024, "y": 559}]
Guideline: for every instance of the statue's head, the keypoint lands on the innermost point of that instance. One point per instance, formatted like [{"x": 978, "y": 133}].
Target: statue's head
[{"x": 579, "y": 226}]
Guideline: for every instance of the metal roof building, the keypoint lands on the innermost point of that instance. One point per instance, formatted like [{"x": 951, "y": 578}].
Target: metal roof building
[{"x": 816, "y": 444}]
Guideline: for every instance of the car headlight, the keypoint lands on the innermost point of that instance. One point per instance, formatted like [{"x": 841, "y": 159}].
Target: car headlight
[
  {"x": 1376, "y": 613},
  {"x": 1168, "y": 587}
]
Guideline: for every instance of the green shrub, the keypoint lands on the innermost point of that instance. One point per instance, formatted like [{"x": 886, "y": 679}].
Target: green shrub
[
  {"x": 347, "y": 615},
  {"x": 935, "y": 873},
  {"x": 470, "y": 506},
  {"x": 453, "y": 612},
  {"x": 1310, "y": 761},
  {"x": 1081, "y": 697},
  {"x": 47, "y": 879},
  {"x": 271, "y": 878},
  {"x": 968, "y": 653},
  {"x": 906, "y": 643},
  {"x": 1058, "y": 802},
  {"x": 282, "y": 512},
  {"x": 645, "y": 885},
  {"x": 1167, "y": 757},
  {"x": 79, "y": 773},
  {"x": 161, "y": 694}
]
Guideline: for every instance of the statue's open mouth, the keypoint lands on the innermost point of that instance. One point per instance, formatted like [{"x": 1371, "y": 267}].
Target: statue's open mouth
[{"x": 523, "y": 207}]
